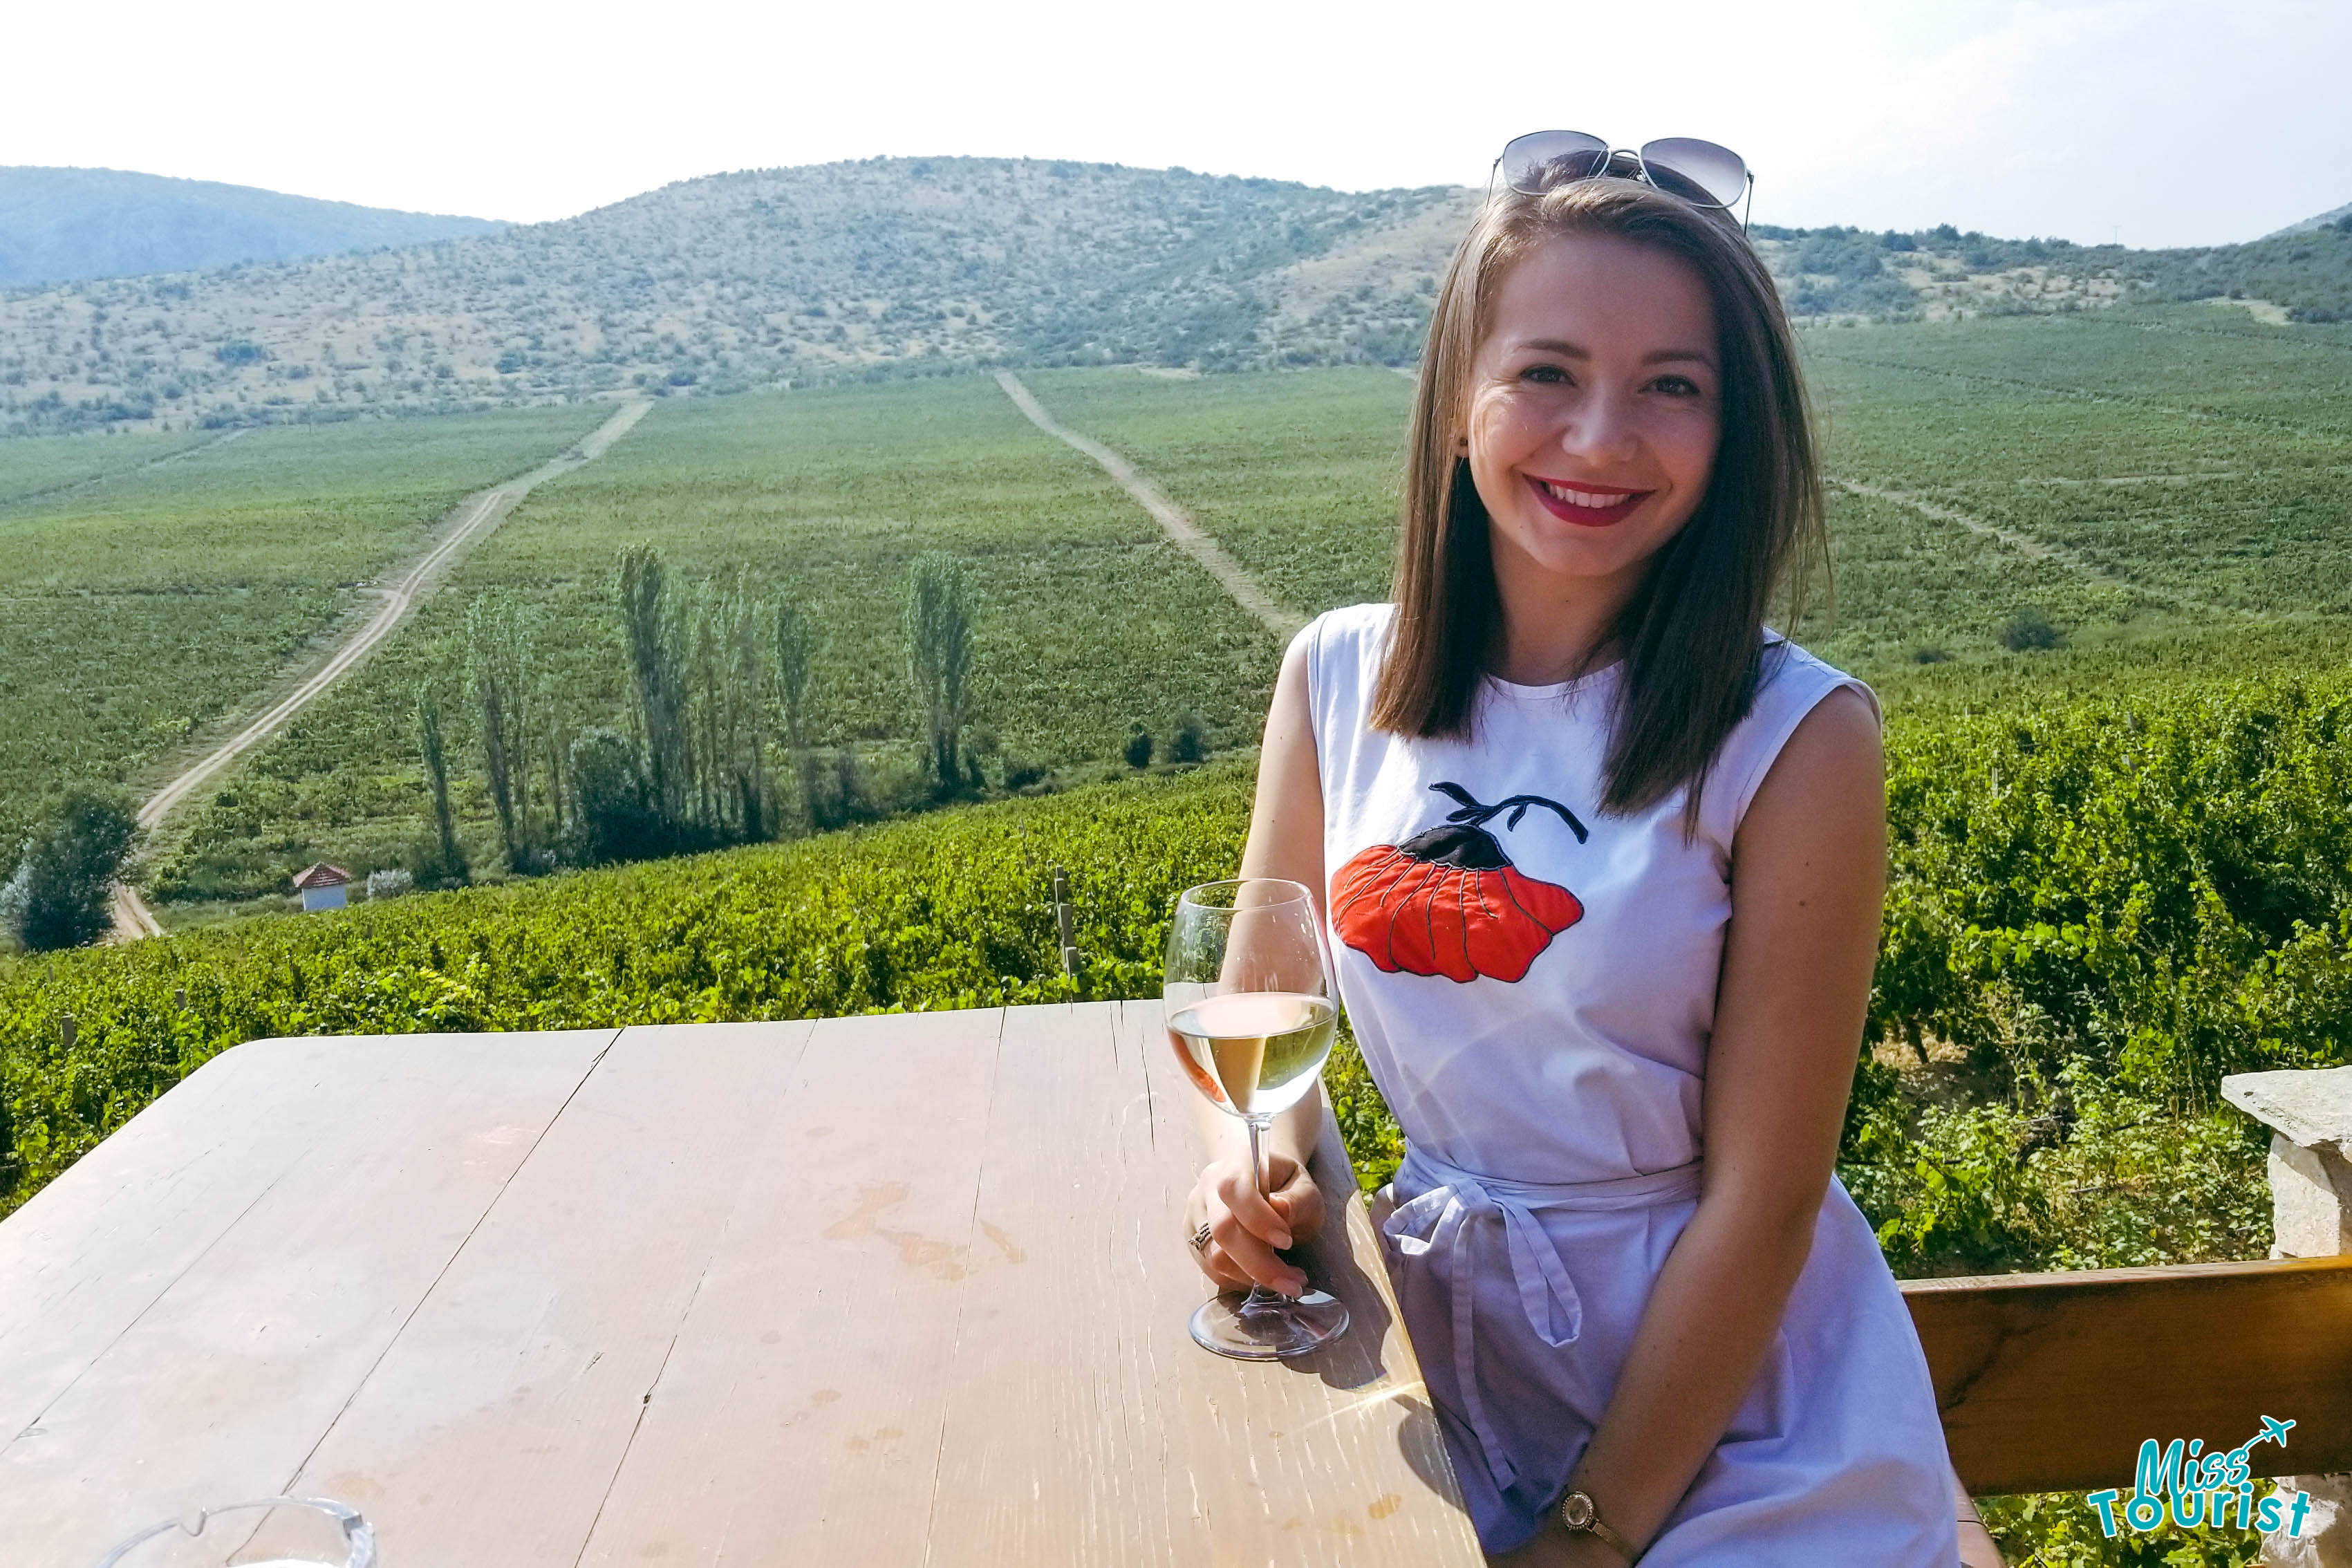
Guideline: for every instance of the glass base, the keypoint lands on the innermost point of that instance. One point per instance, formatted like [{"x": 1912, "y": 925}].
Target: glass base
[{"x": 1263, "y": 1326}]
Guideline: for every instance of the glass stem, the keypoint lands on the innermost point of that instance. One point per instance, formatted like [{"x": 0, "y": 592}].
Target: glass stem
[{"x": 1260, "y": 1298}]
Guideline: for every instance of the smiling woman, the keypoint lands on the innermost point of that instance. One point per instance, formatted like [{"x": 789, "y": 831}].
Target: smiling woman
[
  {"x": 1692, "y": 327},
  {"x": 1616, "y": 1012}
]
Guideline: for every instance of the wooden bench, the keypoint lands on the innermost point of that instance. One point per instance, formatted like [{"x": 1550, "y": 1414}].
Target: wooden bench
[{"x": 2049, "y": 1382}]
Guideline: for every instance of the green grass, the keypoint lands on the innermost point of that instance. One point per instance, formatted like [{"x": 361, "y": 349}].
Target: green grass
[
  {"x": 1904, "y": 585},
  {"x": 136, "y": 610},
  {"x": 2191, "y": 357}
]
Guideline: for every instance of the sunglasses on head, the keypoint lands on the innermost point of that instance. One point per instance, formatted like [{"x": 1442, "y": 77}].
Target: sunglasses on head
[{"x": 1700, "y": 173}]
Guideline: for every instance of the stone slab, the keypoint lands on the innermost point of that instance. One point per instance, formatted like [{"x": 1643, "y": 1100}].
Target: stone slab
[{"x": 2312, "y": 1106}]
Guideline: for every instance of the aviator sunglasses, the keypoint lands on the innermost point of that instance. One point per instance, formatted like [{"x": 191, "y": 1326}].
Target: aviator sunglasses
[{"x": 1700, "y": 173}]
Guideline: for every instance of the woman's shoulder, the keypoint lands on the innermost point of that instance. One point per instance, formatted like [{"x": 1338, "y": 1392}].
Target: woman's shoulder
[
  {"x": 1790, "y": 673},
  {"x": 1350, "y": 623},
  {"x": 1353, "y": 636},
  {"x": 1790, "y": 685},
  {"x": 1342, "y": 651}
]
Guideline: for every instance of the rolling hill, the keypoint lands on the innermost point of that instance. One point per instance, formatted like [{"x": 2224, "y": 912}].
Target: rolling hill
[
  {"x": 2332, "y": 215},
  {"x": 62, "y": 225},
  {"x": 899, "y": 267}
]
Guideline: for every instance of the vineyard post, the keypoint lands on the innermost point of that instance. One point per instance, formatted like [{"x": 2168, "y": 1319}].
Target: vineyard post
[
  {"x": 66, "y": 1030},
  {"x": 1062, "y": 922}
]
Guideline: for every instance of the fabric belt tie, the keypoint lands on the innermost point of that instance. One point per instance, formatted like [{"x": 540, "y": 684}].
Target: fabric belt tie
[{"x": 1434, "y": 1222}]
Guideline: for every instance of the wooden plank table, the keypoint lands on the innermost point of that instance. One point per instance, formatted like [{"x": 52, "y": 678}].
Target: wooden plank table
[{"x": 891, "y": 1290}]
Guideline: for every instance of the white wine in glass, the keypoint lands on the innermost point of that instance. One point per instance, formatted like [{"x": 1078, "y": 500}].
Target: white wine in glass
[
  {"x": 1250, "y": 1015},
  {"x": 1254, "y": 1052}
]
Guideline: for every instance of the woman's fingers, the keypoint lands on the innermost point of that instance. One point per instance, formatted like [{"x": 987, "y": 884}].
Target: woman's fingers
[
  {"x": 1300, "y": 1203},
  {"x": 1254, "y": 1261},
  {"x": 1253, "y": 1257},
  {"x": 1221, "y": 1269},
  {"x": 1215, "y": 1261},
  {"x": 1202, "y": 1213},
  {"x": 1247, "y": 1229},
  {"x": 1232, "y": 1186}
]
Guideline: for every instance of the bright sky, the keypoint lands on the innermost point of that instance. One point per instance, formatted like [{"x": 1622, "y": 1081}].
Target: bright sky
[{"x": 2158, "y": 121}]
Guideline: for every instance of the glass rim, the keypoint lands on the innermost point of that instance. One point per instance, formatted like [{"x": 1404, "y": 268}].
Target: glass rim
[{"x": 1301, "y": 893}]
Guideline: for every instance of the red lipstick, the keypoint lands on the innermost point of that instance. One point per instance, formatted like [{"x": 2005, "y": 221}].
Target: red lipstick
[{"x": 1580, "y": 511}]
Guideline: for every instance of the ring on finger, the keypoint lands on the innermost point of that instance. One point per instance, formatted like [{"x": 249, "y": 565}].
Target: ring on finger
[{"x": 1200, "y": 1237}]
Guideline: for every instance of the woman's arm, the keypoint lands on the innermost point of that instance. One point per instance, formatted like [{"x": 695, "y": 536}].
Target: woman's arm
[
  {"x": 1286, "y": 839},
  {"x": 1807, "y": 886}
]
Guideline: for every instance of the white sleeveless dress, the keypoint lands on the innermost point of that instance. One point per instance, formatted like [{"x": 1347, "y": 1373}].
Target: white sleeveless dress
[{"x": 1533, "y": 984}]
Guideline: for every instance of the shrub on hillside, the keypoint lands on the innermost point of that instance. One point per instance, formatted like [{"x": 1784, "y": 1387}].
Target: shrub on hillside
[
  {"x": 1191, "y": 741},
  {"x": 390, "y": 883},
  {"x": 839, "y": 793},
  {"x": 2031, "y": 631}
]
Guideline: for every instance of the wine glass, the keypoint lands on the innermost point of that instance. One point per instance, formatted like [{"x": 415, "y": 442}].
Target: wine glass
[{"x": 1249, "y": 1007}]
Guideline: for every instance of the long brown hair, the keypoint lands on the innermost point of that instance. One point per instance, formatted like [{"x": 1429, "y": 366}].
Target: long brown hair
[{"x": 1692, "y": 635}]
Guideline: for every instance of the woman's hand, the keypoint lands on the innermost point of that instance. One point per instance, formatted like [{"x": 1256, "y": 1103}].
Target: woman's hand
[
  {"x": 1286, "y": 839},
  {"x": 1246, "y": 1230}
]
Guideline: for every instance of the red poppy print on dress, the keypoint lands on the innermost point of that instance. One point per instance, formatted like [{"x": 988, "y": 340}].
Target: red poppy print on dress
[{"x": 1449, "y": 901}]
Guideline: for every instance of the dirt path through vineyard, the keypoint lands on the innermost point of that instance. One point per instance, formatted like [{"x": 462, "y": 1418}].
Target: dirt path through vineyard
[
  {"x": 2026, "y": 544},
  {"x": 474, "y": 520},
  {"x": 1174, "y": 521}
]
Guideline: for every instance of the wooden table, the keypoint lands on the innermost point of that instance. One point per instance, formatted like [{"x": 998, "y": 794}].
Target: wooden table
[{"x": 893, "y": 1290}]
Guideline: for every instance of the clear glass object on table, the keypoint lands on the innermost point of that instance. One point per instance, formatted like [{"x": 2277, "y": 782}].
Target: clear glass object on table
[
  {"x": 268, "y": 1532},
  {"x": 1248, "y": 998}
]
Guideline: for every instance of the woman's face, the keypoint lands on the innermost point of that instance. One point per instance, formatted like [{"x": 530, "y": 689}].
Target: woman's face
[{"x": 1595, "y": 407}]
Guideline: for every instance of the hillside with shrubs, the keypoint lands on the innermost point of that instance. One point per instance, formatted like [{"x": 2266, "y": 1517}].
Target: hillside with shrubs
[
  {"x": 904, "y": 267},
  {"x": 755, "y": 278}
]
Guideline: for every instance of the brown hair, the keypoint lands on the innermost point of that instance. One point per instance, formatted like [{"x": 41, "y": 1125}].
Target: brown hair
[{"x": 1692, "y": 635}]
